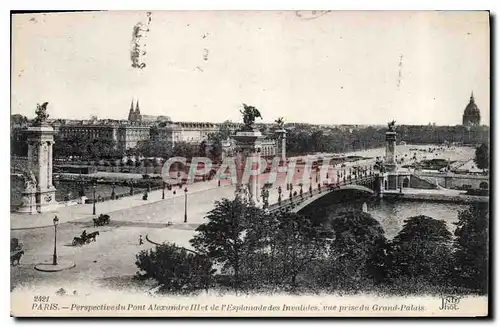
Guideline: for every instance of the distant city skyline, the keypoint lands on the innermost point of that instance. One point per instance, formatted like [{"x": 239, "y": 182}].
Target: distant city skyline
[{"x": 352, "y": 68}]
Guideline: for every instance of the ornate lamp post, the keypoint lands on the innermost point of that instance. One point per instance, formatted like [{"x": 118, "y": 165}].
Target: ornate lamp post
[
  {"x": 93, "y": 202},
  {"x": 279, "y": 196},
  {"x": 163, "y": 192},
  {"x": 81, "y": 183},
  {"x": 266, "y": 199},
  {"x": 54, "y": 257},
  {"x": 185, "y": 204}
]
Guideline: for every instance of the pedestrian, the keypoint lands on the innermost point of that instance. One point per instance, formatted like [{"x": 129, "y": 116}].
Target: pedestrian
[
  {"x": 218, "y": 183},
  {"x": 141, "y": 242},
  {"x": 174, "y": 192}
]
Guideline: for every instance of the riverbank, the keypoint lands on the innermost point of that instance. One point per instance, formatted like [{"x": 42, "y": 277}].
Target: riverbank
[{"x": 439, "y": 195}]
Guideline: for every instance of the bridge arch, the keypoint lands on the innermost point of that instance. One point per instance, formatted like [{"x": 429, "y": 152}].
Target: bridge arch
[{"x": 308, "y": 201}]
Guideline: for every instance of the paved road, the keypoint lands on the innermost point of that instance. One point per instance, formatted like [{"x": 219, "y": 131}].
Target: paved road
[{"x": 109, "y": 262}]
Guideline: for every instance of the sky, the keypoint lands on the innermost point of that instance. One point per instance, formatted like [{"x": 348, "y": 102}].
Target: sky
[{"x": 320, "y": 68}]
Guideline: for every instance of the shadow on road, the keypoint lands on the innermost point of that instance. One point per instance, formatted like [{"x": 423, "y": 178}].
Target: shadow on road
[{"x": 120, "y": 223}]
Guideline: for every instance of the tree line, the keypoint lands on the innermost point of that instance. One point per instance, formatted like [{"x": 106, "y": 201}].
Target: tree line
[
  {"x": 301, "y": 139},
  {"x": 241, "y": 248},
  {"x": 307, "y": 139}
]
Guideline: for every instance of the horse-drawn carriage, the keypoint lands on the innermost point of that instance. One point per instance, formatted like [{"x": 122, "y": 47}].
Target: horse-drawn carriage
[
  {"x": 85, "y": 238},
  {"x": 16, "y": 251},
  {"x": 101, "y": 220}
]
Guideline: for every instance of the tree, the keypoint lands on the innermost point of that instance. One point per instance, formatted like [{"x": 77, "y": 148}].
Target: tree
[
  {"x": 176, "y": 269},
  {"x": 18, "y": 120},
  {"x": 471, "y": 244},
  {"x": 356, "y": 253},
  {"x": 482, "y": 158},
  {"x": 296, "y": 242},
  {"x": 223, "y": 237},
  {"x": 19, "y": 142},
  {"x": 216, "y": 139},
  {"x": 421, "y": 251},
  {"x": 185, "y": 149}
]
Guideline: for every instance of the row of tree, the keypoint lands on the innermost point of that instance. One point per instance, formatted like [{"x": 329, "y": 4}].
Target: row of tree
[
  {"x": 301, "y": 139},
  {"x": 242, "y": 248},
  {"x": 307, "y": 139}
]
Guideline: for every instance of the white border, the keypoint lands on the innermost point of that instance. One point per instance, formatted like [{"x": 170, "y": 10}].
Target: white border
[{"x": 190, "y": 5}]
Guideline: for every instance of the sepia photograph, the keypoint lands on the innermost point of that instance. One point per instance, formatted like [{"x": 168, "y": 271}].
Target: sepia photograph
[{"x": 250, "y": 164}]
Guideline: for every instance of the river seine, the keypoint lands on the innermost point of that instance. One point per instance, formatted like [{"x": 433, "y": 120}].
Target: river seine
[{"x": 391, "y": 215}]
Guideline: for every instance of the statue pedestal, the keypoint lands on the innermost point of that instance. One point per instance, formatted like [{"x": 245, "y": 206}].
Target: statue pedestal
[
  {"x": 40, "y": 193},
  {"x": 249, "y": 145},
  {"x": 46, "y": 200},
  {"x": 29, "y": 202}
]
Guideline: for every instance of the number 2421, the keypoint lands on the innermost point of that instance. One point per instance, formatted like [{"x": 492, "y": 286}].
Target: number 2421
[{"x": 41, "y": 299}]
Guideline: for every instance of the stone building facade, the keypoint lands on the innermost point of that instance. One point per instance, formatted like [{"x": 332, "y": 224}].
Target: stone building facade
[{"x": 137, "y": 127}]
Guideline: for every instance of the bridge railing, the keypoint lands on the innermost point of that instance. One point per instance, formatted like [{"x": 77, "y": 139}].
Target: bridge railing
[{"x": 287, "y": 203}]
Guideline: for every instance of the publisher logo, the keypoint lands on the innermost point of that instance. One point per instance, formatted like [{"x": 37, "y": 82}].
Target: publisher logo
[{"x": 449, "y": 302}]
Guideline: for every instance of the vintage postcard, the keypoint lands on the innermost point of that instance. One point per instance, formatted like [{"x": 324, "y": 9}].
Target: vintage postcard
[{"x": 250, "y": 163}]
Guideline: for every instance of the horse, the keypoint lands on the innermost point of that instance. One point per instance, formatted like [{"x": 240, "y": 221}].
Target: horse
[
  {"x": 16, "y": 258},
  {"x": 104, "y": 219},
  {"x": 92, "y": 236},
  {"x": 101, "y": 220}
]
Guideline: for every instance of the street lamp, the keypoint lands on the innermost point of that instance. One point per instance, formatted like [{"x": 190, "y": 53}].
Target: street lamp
[
  {"x": 93, "y": 202},
  {"x": 279, "y": 196},
  {"x": 163, "y": 192},
  {"x": 54, "y": 257},
  {"x": 185, "y": 204}
]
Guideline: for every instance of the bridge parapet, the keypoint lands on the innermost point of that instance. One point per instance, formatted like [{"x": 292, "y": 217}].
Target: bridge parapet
[{"x": 297, "y": 203}]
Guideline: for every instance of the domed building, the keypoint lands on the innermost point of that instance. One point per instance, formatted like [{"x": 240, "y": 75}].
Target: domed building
[{"x": 472, "y": 116}]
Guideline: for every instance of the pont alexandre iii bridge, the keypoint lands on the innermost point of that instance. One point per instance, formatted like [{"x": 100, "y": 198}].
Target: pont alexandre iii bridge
[{"x": 295, "y": 203}]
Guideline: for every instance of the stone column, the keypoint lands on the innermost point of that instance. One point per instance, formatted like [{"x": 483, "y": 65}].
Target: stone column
[
  {"x": 281, "y": 145},
  {"x": 40, "y": 156},
  {"x": 248, "y": 145},
  {"x": 51, "y": 163},
  {"x": 390, "y": 176},
  {"x": 390, "y": 149}
]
